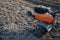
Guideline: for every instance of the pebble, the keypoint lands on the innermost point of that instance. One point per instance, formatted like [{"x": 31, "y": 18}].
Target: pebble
[{"x": 1, "y": 23}]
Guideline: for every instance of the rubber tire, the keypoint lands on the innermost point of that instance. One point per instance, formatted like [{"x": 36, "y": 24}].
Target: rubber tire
[
  {"x": 39, "y": 32},
  {"x": 29, "y": 13}
]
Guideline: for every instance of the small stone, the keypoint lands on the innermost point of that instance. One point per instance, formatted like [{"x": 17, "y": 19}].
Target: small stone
[{"x": 1, "y": 23}]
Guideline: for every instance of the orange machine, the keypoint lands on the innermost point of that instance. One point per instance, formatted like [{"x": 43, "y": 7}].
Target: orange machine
[{"x": 44, "y": 17}]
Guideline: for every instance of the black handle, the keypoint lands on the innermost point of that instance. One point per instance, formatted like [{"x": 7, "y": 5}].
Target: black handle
[{"x": 54, "y": 13}]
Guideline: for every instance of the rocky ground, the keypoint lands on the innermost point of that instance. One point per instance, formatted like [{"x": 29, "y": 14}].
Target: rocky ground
[{"x": 14, "y": 22}]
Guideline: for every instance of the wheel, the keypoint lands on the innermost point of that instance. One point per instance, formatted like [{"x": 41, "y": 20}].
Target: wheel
[
  {"x": 39, "y": 31},
  {"x": 29, "y": 13}
]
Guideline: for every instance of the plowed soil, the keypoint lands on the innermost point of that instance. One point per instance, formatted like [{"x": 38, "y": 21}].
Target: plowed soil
[{"x": 15, "y": 23}]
